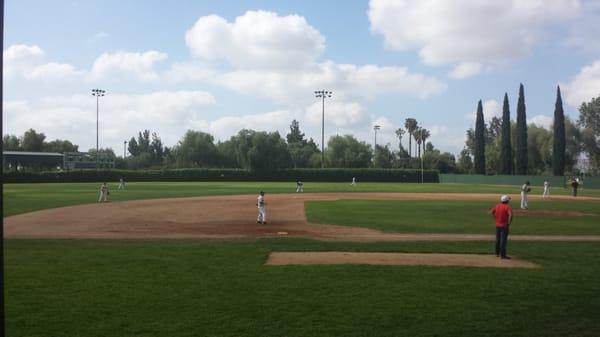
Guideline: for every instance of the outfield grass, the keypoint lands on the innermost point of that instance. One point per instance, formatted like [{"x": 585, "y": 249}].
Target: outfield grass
[
  {"x": 21, "y": 198},
  {"x": 418, "y": 216},
  {"x": 214, "y": 288}
]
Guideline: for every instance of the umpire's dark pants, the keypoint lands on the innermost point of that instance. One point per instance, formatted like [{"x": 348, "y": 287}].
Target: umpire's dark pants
[{"x": 501, "y": 238}]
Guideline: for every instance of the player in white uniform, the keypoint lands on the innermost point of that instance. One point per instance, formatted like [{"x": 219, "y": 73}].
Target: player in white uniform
[
  {"x": 103, "y": 193},
  {"x": 353, "y": 181},
  {"x": 121, "y": 184},
  {"x": 525, "y": 189},
  {"x": 299, "y": 186},
  {"x": 262, "y": 213},
  {"x": 546, "y": 189}
]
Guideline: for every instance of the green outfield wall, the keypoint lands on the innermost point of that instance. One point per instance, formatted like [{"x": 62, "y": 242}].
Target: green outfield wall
[{"x": 502, "y": 179}]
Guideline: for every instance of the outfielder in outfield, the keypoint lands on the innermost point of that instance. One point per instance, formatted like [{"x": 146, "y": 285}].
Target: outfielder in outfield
[
  {"x": 299, "y": 186},
  {"x": 121, "y": 184},
  {"x": 546, "y": 189},
  {"x": 525, "y": 189},
  {"x": 103, "y": 193},
  {"x": 262, "y": 212}
]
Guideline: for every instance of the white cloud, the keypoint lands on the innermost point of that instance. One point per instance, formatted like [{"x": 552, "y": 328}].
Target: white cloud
[
  {"x": 464, "y": 70},
  {"x": 337, "y": 114},
  {"x": 28, "y": 62},
  {"x": 124, "y": 64},
  {"x": 491, "y": 109},
  {"x": 467, "y": 31},
  {"x": 584, "y": 86},
  {"x": 257, "y": 39},
  {"x": 121, "y": 116},
  {"x": 224, "y": 127},
  {"x": 276, "y": 57},
  {"x": 541, "y": 120},
  {"x": 349, "y": 81}
]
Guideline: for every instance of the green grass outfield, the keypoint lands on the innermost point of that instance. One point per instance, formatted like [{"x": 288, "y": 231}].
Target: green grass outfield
[
  {"x": 221, "y": 288},
  {"x": 21, "y": 198},
  {"x": 421, "y": 216}
]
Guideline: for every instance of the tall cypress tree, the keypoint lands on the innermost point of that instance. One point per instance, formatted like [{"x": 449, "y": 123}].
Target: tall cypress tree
[
  {"x": 479, "y": 141},
  {"x": 559, "y": 146},
  {"x": 506, "y": 150},
  {"x": 521, "y": 146}
]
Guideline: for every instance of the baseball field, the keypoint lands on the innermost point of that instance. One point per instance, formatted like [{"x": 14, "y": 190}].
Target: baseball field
[{"x": 189, "y": 259}]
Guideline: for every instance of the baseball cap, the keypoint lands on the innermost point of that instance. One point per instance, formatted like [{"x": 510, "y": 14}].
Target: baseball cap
[{"x": 504, "y": 198}]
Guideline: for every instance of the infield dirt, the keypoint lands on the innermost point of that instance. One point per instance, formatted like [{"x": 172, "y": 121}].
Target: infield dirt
[{"x": 223, "y": 217}]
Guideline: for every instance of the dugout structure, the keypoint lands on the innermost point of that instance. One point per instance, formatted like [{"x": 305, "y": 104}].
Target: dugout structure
[
  {"x": 86, "y": 160},
  {"x": 38, "y": 161}
]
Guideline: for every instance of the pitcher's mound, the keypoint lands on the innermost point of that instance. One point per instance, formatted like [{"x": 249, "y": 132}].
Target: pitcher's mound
[{"x": 410, "y": 259}]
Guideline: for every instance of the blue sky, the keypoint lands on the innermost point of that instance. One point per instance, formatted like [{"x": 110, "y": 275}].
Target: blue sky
[{"x": 220, "y": 66}]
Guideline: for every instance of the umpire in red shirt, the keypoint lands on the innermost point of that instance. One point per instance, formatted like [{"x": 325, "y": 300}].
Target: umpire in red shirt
[{"x": 502, "y": 212}]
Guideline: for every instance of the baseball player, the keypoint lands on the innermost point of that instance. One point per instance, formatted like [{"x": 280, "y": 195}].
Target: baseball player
[
  {"x": 299, "y": 186},
  {"x": 546, "y": 189},
  {"x": 262, "y": 213},
  {"x": 525, "y": 189},
  {"x": 353, "y": 181},
  {"x": 121, "y": 184},
  {"x": 103, "y": 193},
  {"x": 575, "y": 185},
  {"x": 502, "y": 213}
]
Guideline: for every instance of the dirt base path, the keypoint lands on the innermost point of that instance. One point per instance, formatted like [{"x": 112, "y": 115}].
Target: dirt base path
[
  {"x": 405, "y": 259},
  {"x": 222, "y": 217}
]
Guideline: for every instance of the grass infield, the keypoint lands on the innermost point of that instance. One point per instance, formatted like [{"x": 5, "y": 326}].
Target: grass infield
[
  {"x": 22, "y": 198},
  {"x": 420, "y": 216},
  {"x": 217, "y": 288}
]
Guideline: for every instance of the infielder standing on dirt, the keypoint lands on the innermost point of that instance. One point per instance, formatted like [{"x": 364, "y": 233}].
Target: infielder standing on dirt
[
  {"x": 546, "y": 189},
  {"x": 525, "y": 189},
  {"x": 502, "y": 213},
  {"x": 103, "y": 193},
  {"x": 299, "y": 186},
  {"x": 353, "y": 181},
  {"x": 262, "y": 213}
]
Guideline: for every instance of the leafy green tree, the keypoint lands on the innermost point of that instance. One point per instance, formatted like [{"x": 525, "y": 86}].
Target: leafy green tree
[
  {"x": 410, "y": 124},
  {"x": 559, "y": 137},
  {"x": 196, "y": 149},
  {"x": 384, "y": 157},
  {"x": 133, "y": 147},
  {"x": 33, "y": 141},
  {"x": 347, "y": 152},
  {"x": 465, "y": 162},
  {"x": 144, "y": 141},
  {"x": 592, "y": 147},
  {"x": 156, "y": 149},
  {"x": 479, "y": 141},
  {"x": 260, "y": 151},
  {"x": 506, "y": 149},
  {"x": 61, "y": 146},
  {"x": 521, "y": 145},
  {"x": 300, "y": 149},
  {"x": 425, "y": 134},
  {"x": 574, "y": 144},
  {"x": 11, "y": 143},
  {"x": 589, "y": 115},
  {"x": 539, "y": 144}
]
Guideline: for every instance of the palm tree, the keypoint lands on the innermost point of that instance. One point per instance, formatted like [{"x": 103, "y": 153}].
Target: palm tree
[
  {"x": 410, "y": 124},
  {"x": 424, "y": 135},
  {"x": 417, "y": 135},
  {"x": 399, "y": 133}
]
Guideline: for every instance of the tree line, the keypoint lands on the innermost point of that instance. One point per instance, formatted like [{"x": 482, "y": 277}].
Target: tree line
[{"x": 507, "y": 147}]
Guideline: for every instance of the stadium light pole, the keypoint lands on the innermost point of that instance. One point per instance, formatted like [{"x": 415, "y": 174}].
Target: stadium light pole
[
  {"x": 376, "y": 127},
  {"x": 98, "y": 93},
  {"x": 323, "y": 94},
  {"x": 124, "y": 147}
]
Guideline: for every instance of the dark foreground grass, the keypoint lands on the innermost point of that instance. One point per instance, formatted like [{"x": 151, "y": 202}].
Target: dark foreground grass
[
  {"x": 418, "y": 216},
  {"x": 210, "y": 288},
  {"x": 21, "y": 198}
]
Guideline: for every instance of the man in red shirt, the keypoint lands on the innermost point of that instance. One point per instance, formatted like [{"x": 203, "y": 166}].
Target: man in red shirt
[{"x": 502, "y": 212}]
